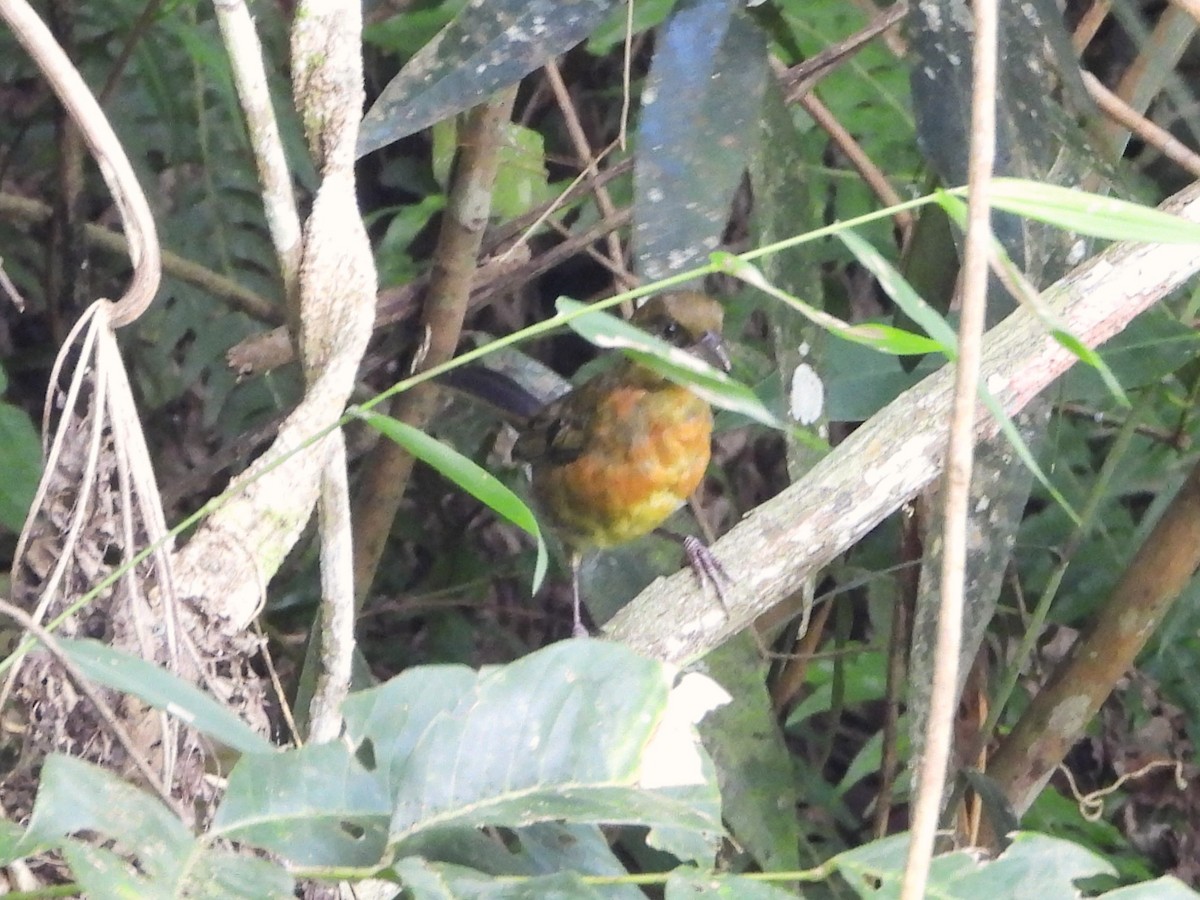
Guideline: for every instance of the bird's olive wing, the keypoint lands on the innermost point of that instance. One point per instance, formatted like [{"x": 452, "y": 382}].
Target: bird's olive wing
[{"x": 557, "y": 434}]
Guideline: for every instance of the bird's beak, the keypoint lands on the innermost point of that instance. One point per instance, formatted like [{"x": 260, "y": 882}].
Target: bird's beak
[{"x": 712, "y": 349}]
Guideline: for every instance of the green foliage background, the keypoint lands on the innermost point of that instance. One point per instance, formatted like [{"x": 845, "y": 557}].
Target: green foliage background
[{"x": 799, "y": 777}]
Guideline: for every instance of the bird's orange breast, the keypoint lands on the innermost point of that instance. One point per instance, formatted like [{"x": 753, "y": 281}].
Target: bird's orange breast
[{"x": 645, "y": 450}]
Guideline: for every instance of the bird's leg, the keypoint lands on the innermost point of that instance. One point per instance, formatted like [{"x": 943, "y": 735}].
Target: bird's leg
[
  {"x": 578, "y": 629},
  {"x": 708, "y": 569}
]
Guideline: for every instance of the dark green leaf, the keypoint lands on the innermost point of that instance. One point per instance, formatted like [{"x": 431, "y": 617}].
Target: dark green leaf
[
  {"x": 1154, "y": 345},
  {"x": 902, "y": 293},
  {"x": 758, "y": 783},
  {"x": 582, "y": 731},
  {"x": 315, "y": 806},
  {"x": 1043, "y": 114},
  {"x": 394, "y": 715},
  {"x": 487, "y": 47},
  {"x": 77, "y": 798},
  {"x": 1053, "y": 865},
  {"x": 699, "y": 122},
  {"x": 10, "y": 842},
  {"x": 21, "y": 463}
]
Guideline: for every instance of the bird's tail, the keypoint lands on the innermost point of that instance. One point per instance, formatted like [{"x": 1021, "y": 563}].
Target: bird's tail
[{"x": 514, "y": 402}]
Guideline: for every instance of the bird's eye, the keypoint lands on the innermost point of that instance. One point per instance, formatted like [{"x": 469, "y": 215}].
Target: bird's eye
[{"x": 672, "y": 330}]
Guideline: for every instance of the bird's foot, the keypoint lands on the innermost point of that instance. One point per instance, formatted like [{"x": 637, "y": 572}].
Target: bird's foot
[{"x": 709, "y": 571}]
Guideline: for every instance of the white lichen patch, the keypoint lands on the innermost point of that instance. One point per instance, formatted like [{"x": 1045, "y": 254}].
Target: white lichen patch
[{"x": 807, "y": 397}]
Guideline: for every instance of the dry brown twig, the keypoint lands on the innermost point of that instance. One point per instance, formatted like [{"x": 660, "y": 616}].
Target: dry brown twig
[
  {"x": 591, "y": 168},
  {"x": 802, "y": 78},
  {"x": 1090, "y": 24},
  {"x": 1130, "y": 119},
  {"x": 862, "y": 163}
]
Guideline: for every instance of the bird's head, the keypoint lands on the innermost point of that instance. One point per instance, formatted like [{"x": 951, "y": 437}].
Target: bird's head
[{"x": 689, "y": 320}]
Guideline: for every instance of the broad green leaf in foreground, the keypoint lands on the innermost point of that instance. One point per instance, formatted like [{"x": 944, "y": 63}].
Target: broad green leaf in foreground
[
  {"x": 76, "y": 798},
  {"x": 315, "y": 806},
  {"x": 1033, "y": 865},
  {"x": 473, "y": 479},
  {"x": 583, "y": 732},
  {"x": 393, "y": 716}
]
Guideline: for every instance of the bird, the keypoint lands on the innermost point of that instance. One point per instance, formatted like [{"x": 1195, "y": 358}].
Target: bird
[{"x": 613, "y": 458}]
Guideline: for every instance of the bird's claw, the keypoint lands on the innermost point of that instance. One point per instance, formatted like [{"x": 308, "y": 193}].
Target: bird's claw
[{"x": 708, "y": 569}]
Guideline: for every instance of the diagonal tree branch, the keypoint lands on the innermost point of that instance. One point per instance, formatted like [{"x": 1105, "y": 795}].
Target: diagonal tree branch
[{"x": 898, "y": 452}]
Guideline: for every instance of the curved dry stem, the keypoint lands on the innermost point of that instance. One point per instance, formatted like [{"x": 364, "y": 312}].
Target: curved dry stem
[
  {"x": 139, "y": 227},
  {"x": 274, "y": 498}
]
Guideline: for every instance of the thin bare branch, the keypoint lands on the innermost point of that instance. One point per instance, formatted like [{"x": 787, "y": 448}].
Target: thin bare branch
[
  {"x": 899, "y": 451},
  {"x": 960, "y": 453},
  {"x": 591, "y": 168},
  {"x": 279, "y": 201},
  {"x": 862, "y": 163},
  {"x": 1131, "y": 120}
]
